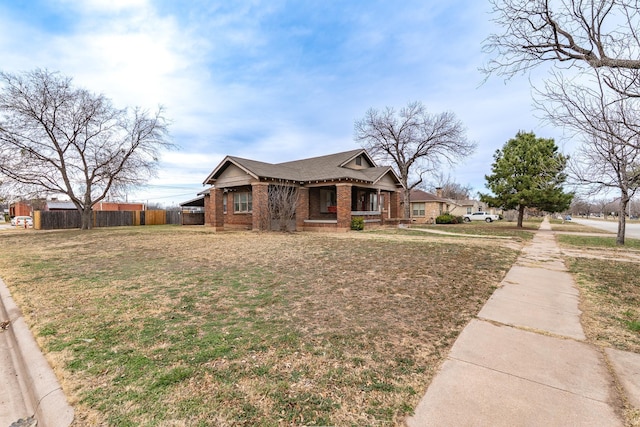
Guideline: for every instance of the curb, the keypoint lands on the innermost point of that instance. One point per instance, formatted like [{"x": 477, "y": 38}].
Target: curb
[{"x": 43, "y": 397}]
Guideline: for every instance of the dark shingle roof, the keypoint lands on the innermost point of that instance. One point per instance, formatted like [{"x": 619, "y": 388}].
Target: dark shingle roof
[
  {"x": 320, "y": 168},
  {"x": 423, "y": 196}
]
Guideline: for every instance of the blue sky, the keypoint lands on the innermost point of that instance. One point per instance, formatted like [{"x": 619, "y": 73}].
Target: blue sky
[{"x": 272, "y": 80}]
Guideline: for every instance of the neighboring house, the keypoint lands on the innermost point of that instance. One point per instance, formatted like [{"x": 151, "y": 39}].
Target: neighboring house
[
  {"x": 332, "y": 190},
  {"x": 466, "y": 207},
  {"x": 56, "y": 205},
  {"x": 425, "y": 207},
  {"x": 20, "y": 209}
]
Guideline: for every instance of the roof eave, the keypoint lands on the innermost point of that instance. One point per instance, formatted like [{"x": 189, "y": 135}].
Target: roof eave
[{"x": 210, "y": 180}]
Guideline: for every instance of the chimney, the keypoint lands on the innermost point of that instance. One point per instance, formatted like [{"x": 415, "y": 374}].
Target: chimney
[{"x": 439, "y": 192}]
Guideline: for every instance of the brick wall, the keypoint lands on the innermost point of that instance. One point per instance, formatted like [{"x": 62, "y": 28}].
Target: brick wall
[
  {"x": 213, "y": 209},
  {"x": 302, "y": 207},
  {"x": 260, "y": 215},
  {"x": 396, "y": 204},
  {"x": 343, "y": 197}
]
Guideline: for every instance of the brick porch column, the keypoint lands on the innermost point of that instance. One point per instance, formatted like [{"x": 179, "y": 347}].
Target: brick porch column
[
  {"x": 213, "y": 214},
  {"x": 260, "y": 197},
  {"x": 343, "y": 196},
  {"x": 302, "y": 208},
  {"x": 396, "y": 204}
]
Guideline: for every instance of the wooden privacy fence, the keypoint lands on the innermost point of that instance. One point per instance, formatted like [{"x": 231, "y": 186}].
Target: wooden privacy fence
[{"x": 56, "y": 220}]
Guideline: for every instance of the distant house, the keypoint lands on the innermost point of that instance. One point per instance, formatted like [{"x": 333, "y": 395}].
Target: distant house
[
  {"x": 56, "y": 205},
  {"x": 20, "y": 209},
  {"x": 467, "y": 206},
  {"x": 464, "y": 207},
  {"x": 425, "y": 207},
  {"x": 332, "y": 190}
]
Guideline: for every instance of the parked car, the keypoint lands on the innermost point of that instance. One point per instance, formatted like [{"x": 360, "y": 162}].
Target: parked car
[
  {"x": 567, "y": 218},
  {"x": 19, "y": 221},
  {"x": 480, "y": 216}
]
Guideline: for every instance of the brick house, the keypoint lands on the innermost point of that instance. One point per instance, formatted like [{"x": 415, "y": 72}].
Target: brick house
[
  {"x": 55, "y": 205},
  {"x": 331, "y": 189},
  {"x": 425, "y": 207},
  {"x": 20, "y": 209}
]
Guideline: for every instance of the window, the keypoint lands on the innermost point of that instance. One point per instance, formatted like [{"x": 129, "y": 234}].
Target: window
[
  {"x": 469, "y": 210},
  {"x": 418, "y": 209},
  {"x": 359, "y": 160},
  {"x": 327, "y": 200},
  {"x": 224, "y": 203},
  {"x": 242, "y": 203},
  {"x": 373, "y": 202}
]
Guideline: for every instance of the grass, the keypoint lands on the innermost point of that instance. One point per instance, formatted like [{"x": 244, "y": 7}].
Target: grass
[
  {"x": 609, "y": 280},
  {"x": 171, "y": 325},
  {"x": 612, "y": 301},
  {"x": 596, "y": 242},
  {"x": 501, "y": 228}
]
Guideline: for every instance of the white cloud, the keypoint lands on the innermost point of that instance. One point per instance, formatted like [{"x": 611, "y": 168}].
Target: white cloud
[{"x": 100, "y": 6}]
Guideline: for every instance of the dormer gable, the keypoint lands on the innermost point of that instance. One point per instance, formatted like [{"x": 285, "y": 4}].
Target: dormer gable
[{"x": 359, "y": 160}]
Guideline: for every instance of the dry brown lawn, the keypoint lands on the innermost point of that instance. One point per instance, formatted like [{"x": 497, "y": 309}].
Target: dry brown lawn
[{"x": 182, "y": 326}]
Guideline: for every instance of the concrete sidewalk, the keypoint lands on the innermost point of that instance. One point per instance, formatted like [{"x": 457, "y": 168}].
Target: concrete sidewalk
[
  {"x": 29, "y": 390},
  {"x": 525, "y": 360}
]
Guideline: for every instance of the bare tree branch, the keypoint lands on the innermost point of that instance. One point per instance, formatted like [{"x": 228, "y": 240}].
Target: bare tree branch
[
  {"x": 606, "y": 123},
  {"x": 414, "y": 141},
  {"x": 598, "y": 34},
  {"x": 55, "y": 138}
]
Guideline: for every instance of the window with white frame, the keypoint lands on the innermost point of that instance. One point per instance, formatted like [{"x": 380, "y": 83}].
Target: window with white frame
[
  {"x": 418, "y": 209},
  {"x": 469, "y": 210},
  {"x": 242, "y": 203}
]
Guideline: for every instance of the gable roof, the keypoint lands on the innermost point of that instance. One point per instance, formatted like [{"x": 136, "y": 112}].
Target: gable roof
[
  {"x": 423, "y": 196},
  {"x": 329, "y": 167}
]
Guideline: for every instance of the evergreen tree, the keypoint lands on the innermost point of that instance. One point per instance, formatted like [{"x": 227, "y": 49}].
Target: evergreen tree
[{"x": 528, "y": 172}]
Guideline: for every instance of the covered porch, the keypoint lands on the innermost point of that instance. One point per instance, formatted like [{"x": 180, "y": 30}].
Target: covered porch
[{"x": 332, "y": 207}]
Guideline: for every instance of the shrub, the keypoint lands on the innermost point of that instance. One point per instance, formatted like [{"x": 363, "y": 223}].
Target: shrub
[
  {"x": 447, "y": 218},
  {"x": 357, "y": 223}
]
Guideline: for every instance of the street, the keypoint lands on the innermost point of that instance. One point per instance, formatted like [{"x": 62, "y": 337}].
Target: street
[{"x": 632, "y": 228}]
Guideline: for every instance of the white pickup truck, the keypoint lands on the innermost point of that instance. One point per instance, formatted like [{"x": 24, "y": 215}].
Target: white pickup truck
[{"x": 480, "y": 216}]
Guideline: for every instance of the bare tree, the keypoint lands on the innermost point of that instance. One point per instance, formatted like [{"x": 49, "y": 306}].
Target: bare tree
[
  {"x": 598, "y": 34},
  {"x": 414, "y": 141},
  {"x": 581, "y": 206},
  {"x": 606, "y": 123},
  {"x": 450, "y": 189},
  {"x": 58, "y": 139},
  {"x": 283, "y": 199}
]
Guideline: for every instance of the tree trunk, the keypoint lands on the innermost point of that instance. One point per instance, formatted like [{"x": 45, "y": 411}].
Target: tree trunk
[
  {"x": 520, "y": 215},
  {"x": 87, "y": 219},
  {"x": 622, "y": 220},
  {"x": 407, "y": 203}
]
